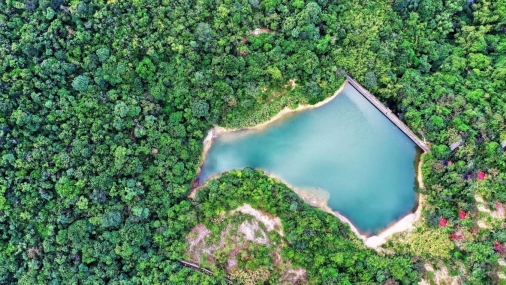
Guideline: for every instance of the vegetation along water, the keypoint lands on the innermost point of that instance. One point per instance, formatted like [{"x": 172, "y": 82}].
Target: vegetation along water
[{"x": 346, "y": 147}]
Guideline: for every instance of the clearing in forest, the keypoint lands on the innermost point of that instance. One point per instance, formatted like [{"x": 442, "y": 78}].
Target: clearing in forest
[{"x": 247, "y": 243}]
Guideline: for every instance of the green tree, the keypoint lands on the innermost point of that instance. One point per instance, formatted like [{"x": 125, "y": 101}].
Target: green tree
[
  {"x": 146, "y": 69},
  {"x": 200, "y": 108},
  {"x": 103, "y": 54},
  {"x": 80, "y": 83}
]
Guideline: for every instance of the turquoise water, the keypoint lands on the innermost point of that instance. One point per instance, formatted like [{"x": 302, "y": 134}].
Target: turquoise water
[{"x": 345, "y": 147}]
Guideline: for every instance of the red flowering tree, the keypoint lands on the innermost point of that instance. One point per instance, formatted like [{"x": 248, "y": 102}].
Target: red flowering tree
[{"x": 499, "y": 248}]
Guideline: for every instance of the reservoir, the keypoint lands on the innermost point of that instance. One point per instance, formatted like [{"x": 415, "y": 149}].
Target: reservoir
[{"x": 346, "y": 147}]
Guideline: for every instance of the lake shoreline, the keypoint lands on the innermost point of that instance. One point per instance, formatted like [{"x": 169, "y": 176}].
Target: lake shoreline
[
  {"x": 373, "y": 241},
  {"x": 320, "y": 198},
  {"x": 216, "y": 131}
]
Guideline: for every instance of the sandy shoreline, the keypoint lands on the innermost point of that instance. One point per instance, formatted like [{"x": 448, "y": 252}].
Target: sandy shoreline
[
  {"x": 317, "y": 197},
  {"x": 375, "y": 241}
]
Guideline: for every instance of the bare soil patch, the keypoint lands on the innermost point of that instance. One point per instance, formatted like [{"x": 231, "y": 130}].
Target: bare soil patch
[
  {"x": 271, "y": 223},
  {"x": 253, "y": 232},
  {"x": 441, "y": 276},
  {"x": 197, "y": 243},
  {"x": 235, "y": 241},
  {"x": 295, "y": 276}
]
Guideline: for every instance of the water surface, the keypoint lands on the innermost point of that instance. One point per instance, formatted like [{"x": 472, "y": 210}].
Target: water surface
[{"x": 346, "y": 147}]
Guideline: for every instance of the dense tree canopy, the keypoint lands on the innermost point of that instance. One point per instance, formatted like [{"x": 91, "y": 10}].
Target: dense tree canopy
[{"x": 104, "y": 105}]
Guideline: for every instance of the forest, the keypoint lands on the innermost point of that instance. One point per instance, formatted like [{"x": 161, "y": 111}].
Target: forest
[{"x": 104, "y": 106}]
